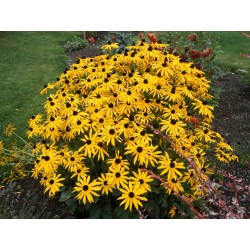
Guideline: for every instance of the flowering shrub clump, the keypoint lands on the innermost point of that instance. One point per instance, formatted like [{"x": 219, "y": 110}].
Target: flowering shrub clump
[
  {"x": 115, "y": 121},
  {"x": 13, "y": 160}
]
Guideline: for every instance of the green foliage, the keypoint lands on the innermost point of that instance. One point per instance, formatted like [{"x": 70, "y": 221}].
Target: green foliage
[
  {"x": 123, "y": 38},
  {"x": 75, "y": 43}
]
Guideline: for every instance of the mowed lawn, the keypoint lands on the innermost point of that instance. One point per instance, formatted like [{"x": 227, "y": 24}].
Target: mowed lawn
[
  {"x": 28, "y": 61},
  {"x": 232, "y": 44}
]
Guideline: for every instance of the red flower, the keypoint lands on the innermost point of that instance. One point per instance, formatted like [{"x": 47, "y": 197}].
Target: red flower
[
  {"x": 192, "y": 37},
  {"x": 195, "y": 54},
  {"x": 206, "y": 52},
  {"x": 194, "y": 120},
  {"x": 184, "y": 56},
  {"x": 152, "y": 37},
  {"x": 91, "y": 39}
]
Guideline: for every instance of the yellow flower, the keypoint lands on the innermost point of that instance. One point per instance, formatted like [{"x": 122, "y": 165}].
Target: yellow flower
[
  {"x": 118, "y": 161},
  {"x": 173, "y": 126},
  {"x": 189, "y": 177},
  {"x": 9, "y": 129},
  {"x": 142, "y": 178},
  {"x": 118, "y": 176},
  {"x": 74, "y": 161},
  {"x": 203, "y": 108},
  {"x": 171, "y": 167},
  {"x": 1, "y": 147},
  {"x": 131, "y": 196},
  {"x": 174, "y": 184},
  {"x": 80, "y": 172},
  {"x": 106, "y": 184},
  {"x": 86, "y": 189},
  {"x": 173, "y": 211},
  {"x": 143, "y": 154},
  {"x": 53, "y": 184},
  {"x": 110, "y": 46},
  {"x": 110, "y": 135},
  {"x": 89, "y": 148}
]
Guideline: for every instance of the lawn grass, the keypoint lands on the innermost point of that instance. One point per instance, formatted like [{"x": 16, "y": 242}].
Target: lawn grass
[
  {"x": 28, "y": 61},
  {"x": 232, "y": 44}
]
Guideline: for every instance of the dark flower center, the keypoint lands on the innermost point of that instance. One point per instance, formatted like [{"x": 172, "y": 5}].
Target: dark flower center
[
  {"x": 111, "y": 105},
  {"x": 72, "y": 158},
  {"x": 46, "y": 158},
  {"x": 131, "y": 195},
  {"x": 139, "y": 149},
  {"x": 172, "y": 164},
  {"x": 141, "y": 181},
  {"x": 174, "y": 180},
  {"x": 111, "y": 131},
  {"x": 117, "y": 161},
  {"x": 173, "y": 122},
  {"x": 142, "y": 133},
  {"x": 88, "y": 142},
  {"x": 105, "y": 183},
  {"x": 117, "y": 175},
  {"x": 85, "y": 188},
  {"x": 51, "y": 182}
]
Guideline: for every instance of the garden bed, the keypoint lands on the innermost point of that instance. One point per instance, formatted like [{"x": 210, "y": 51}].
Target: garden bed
[{"x": 232, "y": 120}]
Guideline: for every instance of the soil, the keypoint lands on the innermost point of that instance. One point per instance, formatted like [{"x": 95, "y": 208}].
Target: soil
[{"x": 232, "y": 120}]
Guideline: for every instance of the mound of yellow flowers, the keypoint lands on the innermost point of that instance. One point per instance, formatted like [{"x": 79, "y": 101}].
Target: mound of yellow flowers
[{"x": 111, "y": 117}]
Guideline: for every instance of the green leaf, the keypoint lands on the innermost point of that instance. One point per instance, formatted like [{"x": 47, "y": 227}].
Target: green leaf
[
  {"x": 153, "y": 209},
  {"x": 72, "y": 204},
  {"x": 65, "y": 195},
  {"x": 106, "y": 211},
  {"x": 95, "y": 212},
  {"x": 120, "y": 213}
]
